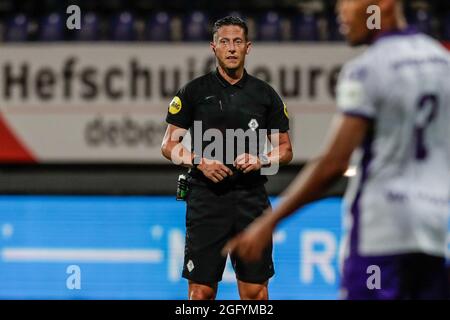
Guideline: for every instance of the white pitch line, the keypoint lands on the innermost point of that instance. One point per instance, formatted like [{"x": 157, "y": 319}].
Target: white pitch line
[{"x": 81, "y": 255}]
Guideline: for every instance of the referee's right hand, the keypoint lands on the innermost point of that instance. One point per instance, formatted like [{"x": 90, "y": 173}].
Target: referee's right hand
[{"x": 214, "y": 170}]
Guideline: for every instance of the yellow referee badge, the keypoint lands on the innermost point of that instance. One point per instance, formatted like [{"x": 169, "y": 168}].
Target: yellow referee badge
[
  {"x": 285, "y": 110},
  {"x": 175, "y": 105}
]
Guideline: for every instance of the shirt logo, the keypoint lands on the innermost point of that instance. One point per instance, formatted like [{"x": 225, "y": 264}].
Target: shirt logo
[
  {"x": 175, "y": 105},
  {"x": 285, "y": 110},
  {"x": 350, "y": 94},
  {"x": 253, "y": 124}
]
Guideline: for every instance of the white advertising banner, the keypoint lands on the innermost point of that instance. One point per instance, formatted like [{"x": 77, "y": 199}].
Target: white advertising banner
[{"x": 107, "y": 102}]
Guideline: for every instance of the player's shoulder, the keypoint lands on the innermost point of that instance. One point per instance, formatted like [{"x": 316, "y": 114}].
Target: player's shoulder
[
  {"x": 361, "y": 66},
  {"x": 432, "y": 44},
  {"x": 412, "y": 45},
  {"x": 261, "y": 86},
  {"x": 258, "y": 82},
  {"x": 197, "y": 83}
]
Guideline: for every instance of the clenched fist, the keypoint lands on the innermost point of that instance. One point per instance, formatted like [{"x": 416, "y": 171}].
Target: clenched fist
[{"x": 214, "y": 170}]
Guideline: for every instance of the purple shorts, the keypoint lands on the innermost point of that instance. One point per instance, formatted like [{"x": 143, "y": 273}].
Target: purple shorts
[{"x": 396, "y": 277}]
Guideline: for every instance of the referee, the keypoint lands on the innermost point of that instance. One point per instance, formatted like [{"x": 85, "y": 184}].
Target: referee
[{"x": 226, "y": 184}]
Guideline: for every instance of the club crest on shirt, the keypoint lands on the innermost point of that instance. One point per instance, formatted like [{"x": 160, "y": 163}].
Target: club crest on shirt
[
  {"x": 253, "y": 124},
  {"x": 175, "y": 105}
]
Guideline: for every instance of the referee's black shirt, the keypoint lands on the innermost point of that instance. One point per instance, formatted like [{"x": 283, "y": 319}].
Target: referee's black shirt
[{"x": 250, "y": 104}]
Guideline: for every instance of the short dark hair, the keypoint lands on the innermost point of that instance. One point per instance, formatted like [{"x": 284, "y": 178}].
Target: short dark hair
[{"x": 230, "y": 21}]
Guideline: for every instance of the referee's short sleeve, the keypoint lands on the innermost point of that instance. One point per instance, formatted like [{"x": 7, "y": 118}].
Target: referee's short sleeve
[
  {"x": 180, "y": 111},
  {"x": 278, "y": 117},
  {"x": 356, "y": 91}
]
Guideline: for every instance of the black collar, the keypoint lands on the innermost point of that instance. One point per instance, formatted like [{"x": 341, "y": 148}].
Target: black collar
[{"x": 226, "y": 84}]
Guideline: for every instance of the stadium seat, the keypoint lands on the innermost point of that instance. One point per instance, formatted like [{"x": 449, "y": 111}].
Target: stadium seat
[
  {"x": 305, "y": 27},
  {"x": 158, "y": 27},
  {"x": 52, "y": 28},
  {"x": 195, "y": 27},
  {"x": 122, "y": 27},
  {"x": 90, "y": 28},
  {"x": 269, "y": 27},
  {"x": 17, "y": 29},
  {"x": 333, "y": 29}
]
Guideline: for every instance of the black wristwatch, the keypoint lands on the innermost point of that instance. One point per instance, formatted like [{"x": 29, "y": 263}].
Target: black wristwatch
[
  {"x": 196, "y": 161},
  {"x": 264, "y": 160}
]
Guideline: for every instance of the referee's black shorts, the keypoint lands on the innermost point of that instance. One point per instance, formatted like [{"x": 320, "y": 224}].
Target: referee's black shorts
[{"x": 213, "y": 216}]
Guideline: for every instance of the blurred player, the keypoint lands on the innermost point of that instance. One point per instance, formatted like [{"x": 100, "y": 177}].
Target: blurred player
[{"x": 394, "y": 103}]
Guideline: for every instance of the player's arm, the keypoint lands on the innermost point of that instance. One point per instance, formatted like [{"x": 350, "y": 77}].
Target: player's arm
[
  {"x": 346, "y": 134},
  {"x": 281, "y": 152},
  {"x": 172, "y": 147}
]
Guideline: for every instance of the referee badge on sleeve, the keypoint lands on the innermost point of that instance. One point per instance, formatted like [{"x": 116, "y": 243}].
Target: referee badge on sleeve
[
  {"x": 285, "y": 110},
  {"x": 175, "y": 105}
]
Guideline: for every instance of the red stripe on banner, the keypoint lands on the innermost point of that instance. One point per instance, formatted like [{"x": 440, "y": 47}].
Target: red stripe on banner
[{"x": 11, "y": 149}]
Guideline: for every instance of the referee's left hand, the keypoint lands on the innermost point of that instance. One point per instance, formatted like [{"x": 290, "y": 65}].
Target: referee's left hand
[
  {"x": 250, "y": 244},
  {"x": 247, "y": 162}
]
